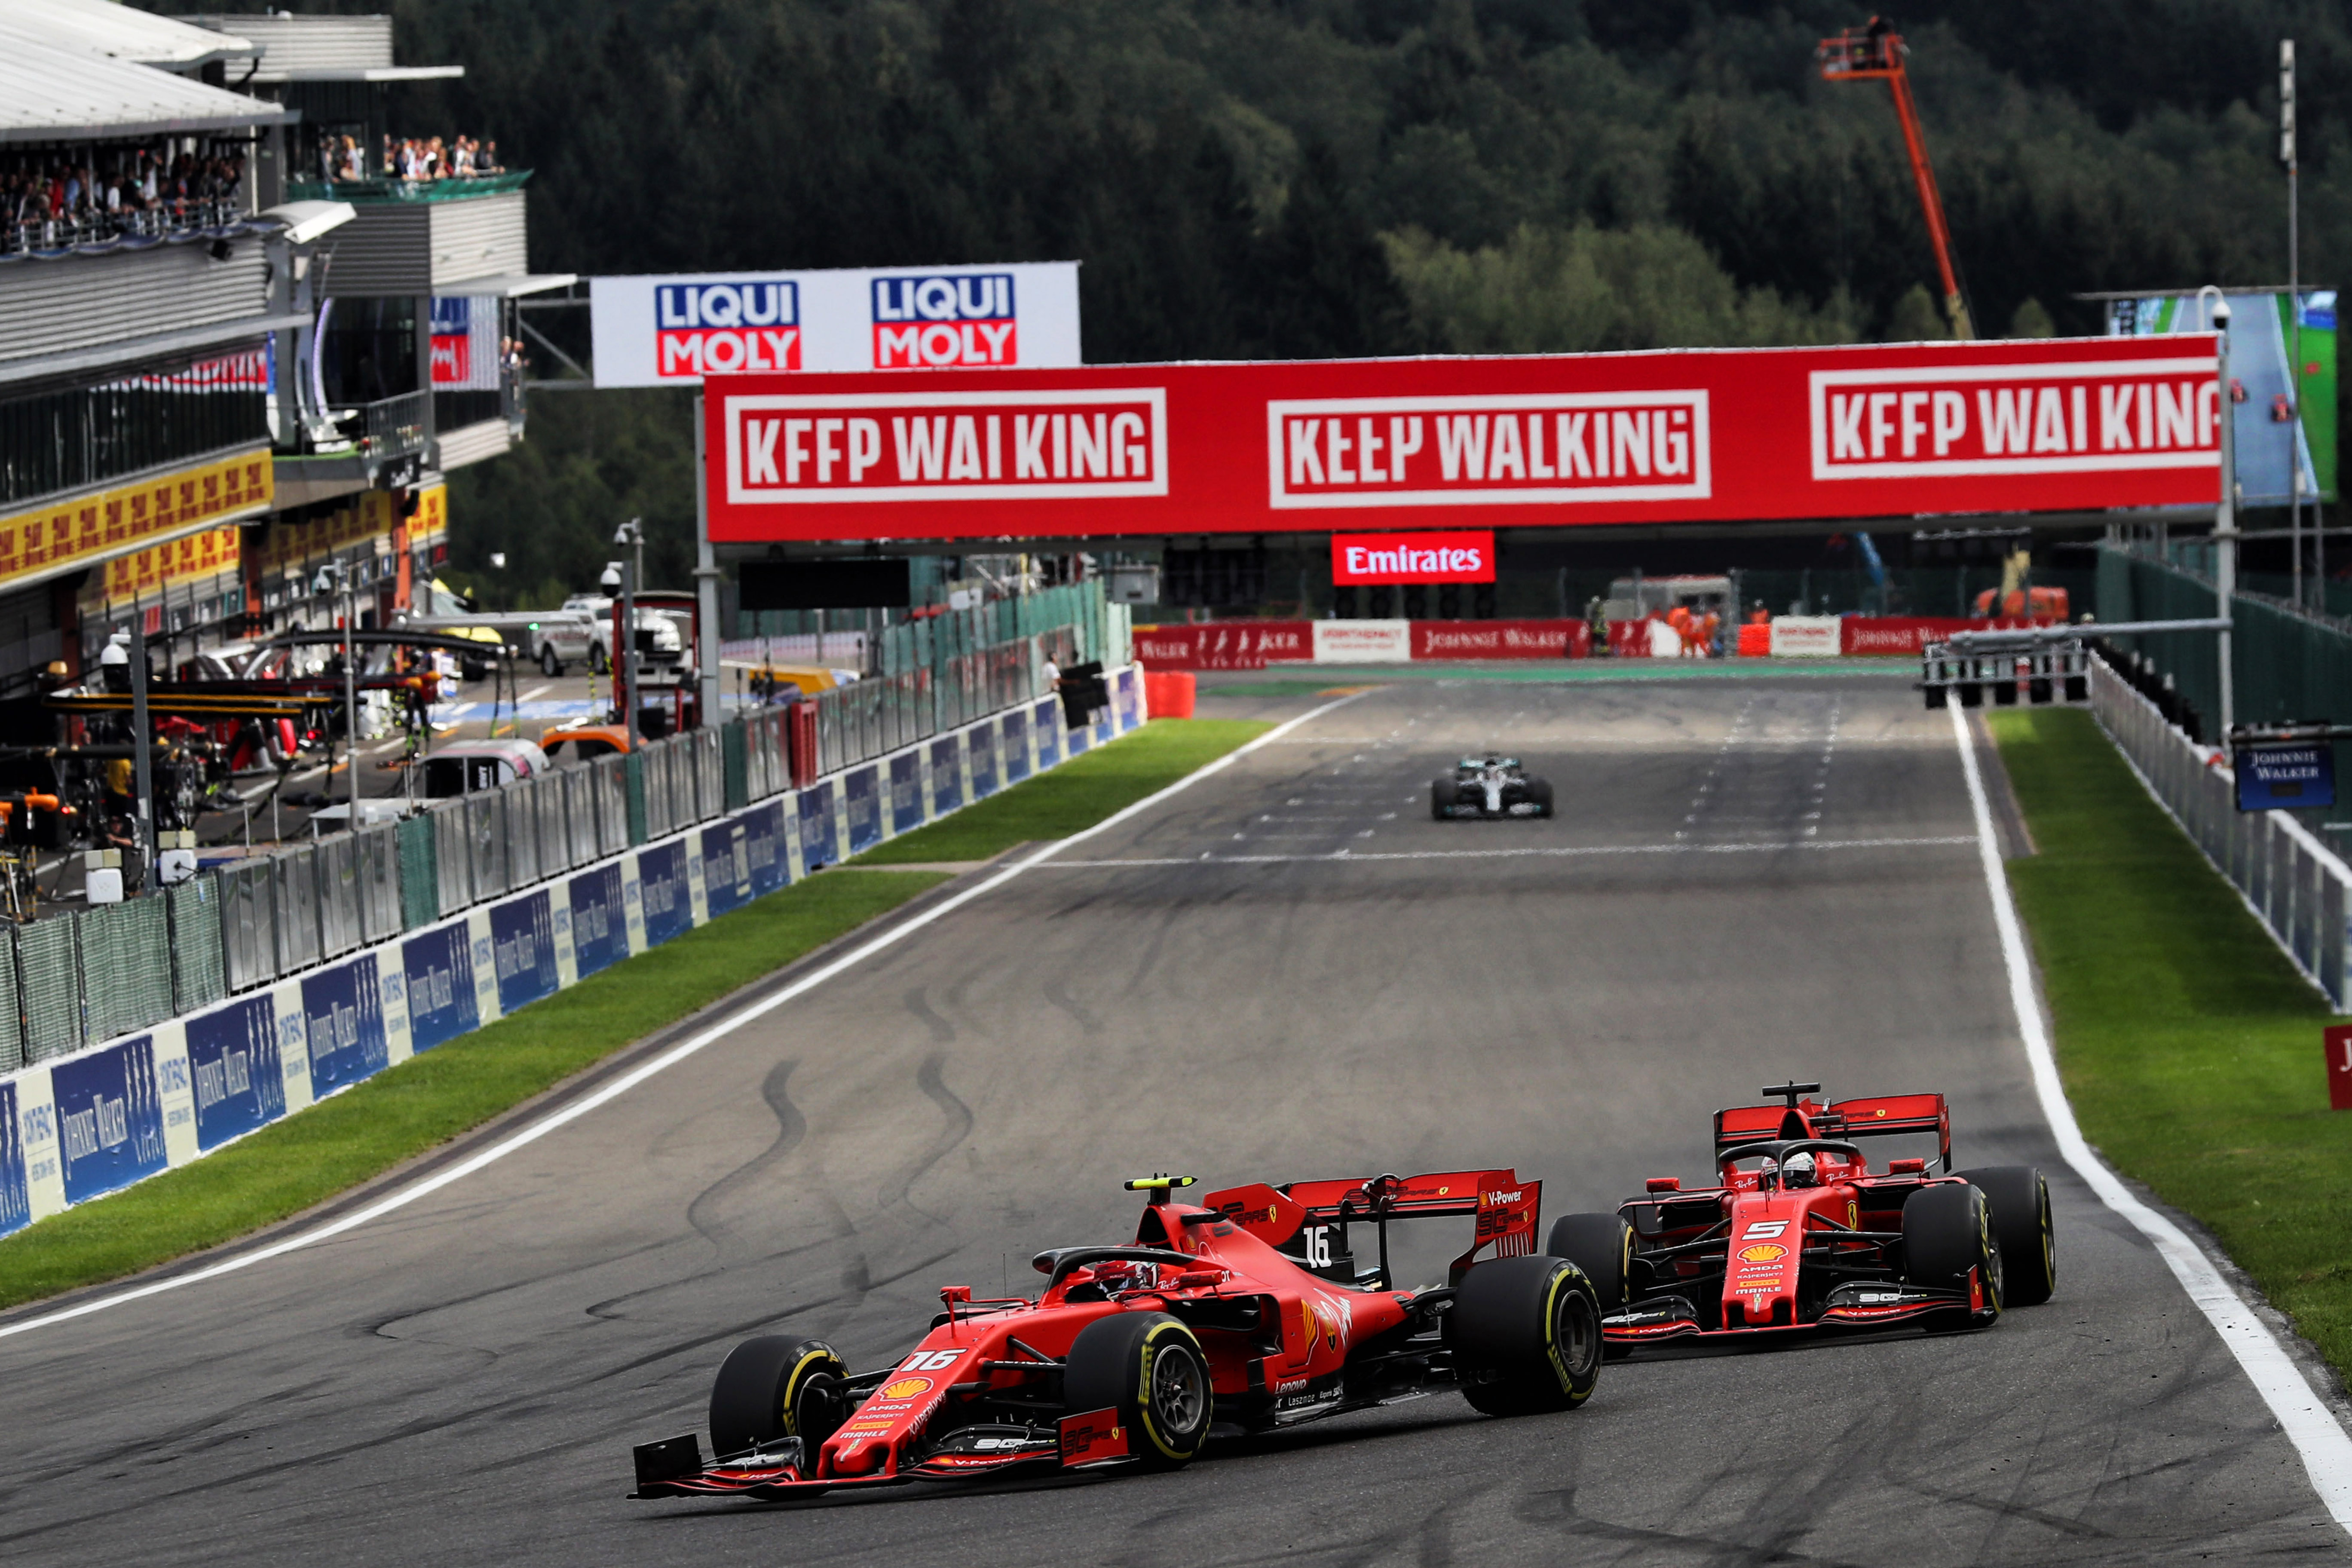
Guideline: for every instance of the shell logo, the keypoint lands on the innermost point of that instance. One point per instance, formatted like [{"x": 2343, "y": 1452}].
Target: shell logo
[
  {"x": 1764, "y": 1252},
  {"x": 906, "y": 1388}
]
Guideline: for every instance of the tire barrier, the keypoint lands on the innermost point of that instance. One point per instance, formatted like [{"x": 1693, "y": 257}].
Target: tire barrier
[{"x": 104, "y": 1081}]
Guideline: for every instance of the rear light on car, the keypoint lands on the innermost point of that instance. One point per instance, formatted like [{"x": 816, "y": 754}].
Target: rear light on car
[
  {"x": 1905, "y": 1167},
  {"x": 1665, "y": 1183}
]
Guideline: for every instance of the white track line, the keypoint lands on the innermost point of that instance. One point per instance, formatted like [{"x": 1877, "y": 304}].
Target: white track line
[
  {"x": 567, "y": 1114},
  {"x": 1349, "y": 857},
  {"x": 2312, "y": 1430}
]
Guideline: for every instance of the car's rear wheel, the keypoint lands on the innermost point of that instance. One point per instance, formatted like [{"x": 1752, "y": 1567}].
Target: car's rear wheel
[
  {"x": 1149, "y": 1368},
  {"x": 2019, "y": 1201},
  {"x": 777, "y": 1386},
  {"x": 1526, "y": 1332},
  {"x": 597, "y": 661},
  {"x": 1946, "y": 1231},
  {"x": 549, "y": 665}
]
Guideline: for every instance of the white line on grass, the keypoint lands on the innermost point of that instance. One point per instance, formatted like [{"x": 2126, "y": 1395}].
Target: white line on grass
[
  {"x": 2312, "y": 1430},
  {"x": 564, "y": 1115}
]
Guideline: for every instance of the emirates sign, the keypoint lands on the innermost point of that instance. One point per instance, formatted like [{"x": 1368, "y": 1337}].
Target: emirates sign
[
  {"x": 1687, "y": 435},
  {"x": 1434, "y": 557}
]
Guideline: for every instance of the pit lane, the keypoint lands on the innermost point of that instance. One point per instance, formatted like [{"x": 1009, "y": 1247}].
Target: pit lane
[{"x": 1286, "y": 971}]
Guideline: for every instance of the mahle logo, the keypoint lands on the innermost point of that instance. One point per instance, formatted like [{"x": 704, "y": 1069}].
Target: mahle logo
[{"x": 945, "y": 321}]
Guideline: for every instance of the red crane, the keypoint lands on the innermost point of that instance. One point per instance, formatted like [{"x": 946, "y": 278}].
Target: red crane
[{"x": 1875, "y": 53}]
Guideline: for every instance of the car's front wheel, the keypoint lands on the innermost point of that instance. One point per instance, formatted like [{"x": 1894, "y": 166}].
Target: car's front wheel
[
  {"x": 777, "y": 1386},
  {"x": 1442, "y": 797},
  {"x": 1149, "y": 1367},
  {"x": 1947, "y": 1232}
]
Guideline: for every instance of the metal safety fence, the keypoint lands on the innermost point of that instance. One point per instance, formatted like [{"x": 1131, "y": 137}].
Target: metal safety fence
[
  {"x": 79, "y": 979},
  {"x": 2296, "y": 885}
]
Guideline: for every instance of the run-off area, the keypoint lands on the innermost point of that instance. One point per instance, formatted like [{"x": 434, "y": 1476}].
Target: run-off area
[{"x": 1285, "y": 971}]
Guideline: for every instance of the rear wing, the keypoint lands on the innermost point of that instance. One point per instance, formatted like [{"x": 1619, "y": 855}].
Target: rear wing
[
  {"x": 1882, "y": 1116},
  {"x": 1505, "y": 1207}
]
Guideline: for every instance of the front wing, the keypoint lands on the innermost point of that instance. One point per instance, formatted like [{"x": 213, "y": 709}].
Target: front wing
[
  {"x": 1855, "y": 1306},
  {"x": 674, "y": 1467}
]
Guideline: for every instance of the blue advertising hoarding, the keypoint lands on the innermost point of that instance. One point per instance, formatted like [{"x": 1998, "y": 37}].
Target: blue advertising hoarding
[
  {"x": 15, "y": 1194},
  {"x": 906, "y": 792},
  {"x": 726, "y": 867},
  {"x": 2285, "y": 777},
  {"x": 661, "y": 886},
  {"x": 439, "y": 967},
  {"x": 979, "y": 750},
  {"x": 1046, "y": 718},
  {"x": 947, "y": 776},
  {"x": 523, "y": 950},
  {"x": 863, "y": 789},
  {"x": 234, "y": 1069},
  {"x": 816, "y": 827},
  {"x": 1016, "y": 745},
  {"x": 600, "y": 921},
  {"x": 342, "y": 1019},
  {"x": 109, "y": 1118},
  {"x": 763, "y": 845}
]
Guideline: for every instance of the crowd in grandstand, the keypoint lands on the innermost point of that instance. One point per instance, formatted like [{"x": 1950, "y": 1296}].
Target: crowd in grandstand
[
  {"x": 412, "y": 159},
  {"x": 49, "y": 200}
]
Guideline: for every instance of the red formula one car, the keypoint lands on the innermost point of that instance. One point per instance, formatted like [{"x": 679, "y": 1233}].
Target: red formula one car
[
  {"x": 1800, "y": 1234},
  {"x": 1243, "y": 1315}
]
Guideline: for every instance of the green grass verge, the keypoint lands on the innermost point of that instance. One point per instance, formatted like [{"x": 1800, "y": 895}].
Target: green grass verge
[
  {"x": 1078, "y": 794},
  {"x": 2189, "y": 1045},
  {"x": 408, "y": 1110}
]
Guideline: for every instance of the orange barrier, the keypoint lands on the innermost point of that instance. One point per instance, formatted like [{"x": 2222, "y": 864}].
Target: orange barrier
[
  {"x": 1755, "y": 641},
  {"x": 1169, "y": 694}
]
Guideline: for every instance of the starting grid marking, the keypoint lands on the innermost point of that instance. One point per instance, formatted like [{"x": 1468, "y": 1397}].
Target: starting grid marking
[{"x": 1352, "y": 856}]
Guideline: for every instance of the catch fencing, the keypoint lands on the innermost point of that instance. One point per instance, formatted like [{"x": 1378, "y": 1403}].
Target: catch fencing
[
  {"x": 74, "y": 980},
  {"x": 2292, "y": 882}
]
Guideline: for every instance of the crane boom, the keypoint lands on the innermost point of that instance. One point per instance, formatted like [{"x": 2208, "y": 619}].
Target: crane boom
[{"x": 1875, "y": 53}]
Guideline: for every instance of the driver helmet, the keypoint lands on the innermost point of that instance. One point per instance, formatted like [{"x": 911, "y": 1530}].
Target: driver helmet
[{"x": 1798, "y": 1170}]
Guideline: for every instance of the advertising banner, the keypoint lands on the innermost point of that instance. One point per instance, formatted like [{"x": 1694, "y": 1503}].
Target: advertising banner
[
  {"x": 523, "y": 950},
  {"x": 1679, "y": 435},
  {"x": 1361, "y": 642},
  {"x": 763, "y": 848},
  {"x": 15, "y": 1194},
  {"x": 1807, "y": 637},
  {"x": 673, "y": 331},
  {"x": 600, "y": 921},
  {"x": 906, "y": 792},
  {"x": 726, "y": 868},
  {"x": 947, "y": 776},
  {"x": 668, "y": 903},
  {"x": 1501, "y": 639},
  {"x": 1223, "y": 645},
  {"x": 240, "y": 1081},
  {"x": 1912, "y": 633},
  {"x": 2336, "y": 1037},
  {"x": 87, "y": 530},
  {"x": 1390, "y": 558},
  {"x": 2291, "y": 777},
  {"x": 439, "y": 967},
  {"x": 109, "y": 1117},
  {"x": 343, "y": 1016},
  {"x": 862, "y": 799},
  {"x": 979, "y": 750}
]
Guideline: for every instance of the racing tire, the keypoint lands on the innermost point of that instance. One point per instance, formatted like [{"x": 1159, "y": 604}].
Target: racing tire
[
  {"x": 1540, "y": 792},
  {"x": 776, "y": 1386},
  {"x": 1149, "y": 1367},
  {"x": 549, "y": 665},
  {"x": 1530, "y": 1326},
  {"x": 1442, "y": 797},
  {"x": 1602, "y": 1245},
  {"x": 1947, "y": 1231},
  {"x": 2020, "y": 1200}
]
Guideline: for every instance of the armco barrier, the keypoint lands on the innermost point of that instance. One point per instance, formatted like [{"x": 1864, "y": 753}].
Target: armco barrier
[
  {"x": 77, "y": 1122},
  {"x": 2293, "y": 883}
]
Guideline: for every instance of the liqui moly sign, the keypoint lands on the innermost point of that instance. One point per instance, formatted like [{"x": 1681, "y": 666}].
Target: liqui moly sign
[
  {"x": 973, "y": 447},
  {"x": 941, "y": 319},
  {"x": 675, "y": 331}
]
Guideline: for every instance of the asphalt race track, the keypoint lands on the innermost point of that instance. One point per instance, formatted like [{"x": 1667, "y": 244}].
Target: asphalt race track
[{"x": 1749, "y": 880}]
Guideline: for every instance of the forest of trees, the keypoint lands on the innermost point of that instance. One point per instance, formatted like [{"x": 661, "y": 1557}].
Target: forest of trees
[{"x": 1318, "y": 177}]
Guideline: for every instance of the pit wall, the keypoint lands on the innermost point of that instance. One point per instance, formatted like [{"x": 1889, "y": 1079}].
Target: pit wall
[{"x": 76, "y": 1128}]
